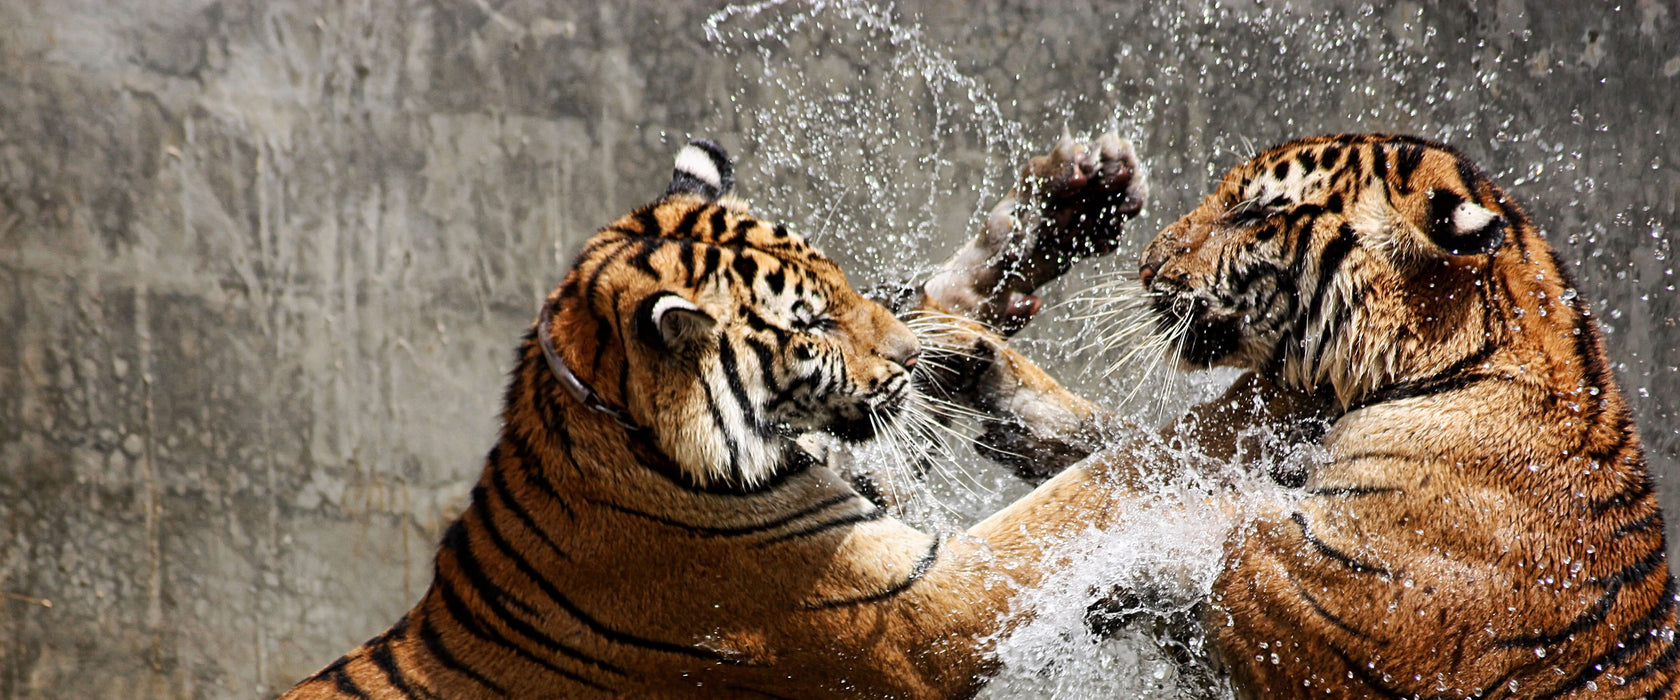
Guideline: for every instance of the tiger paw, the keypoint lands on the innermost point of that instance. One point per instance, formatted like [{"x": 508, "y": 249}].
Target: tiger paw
[
  {"x": 1082, "y": 191},
  {"x": 1068, "y": 205}
]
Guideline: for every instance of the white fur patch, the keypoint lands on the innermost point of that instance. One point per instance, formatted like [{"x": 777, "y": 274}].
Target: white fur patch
[
  {"x": 1468, "y": 217},
  {"x": 669, "y": 302},
  {"x": 695, "y": 161},
  {"x": 1265, "y": 188},
  {"x": 680, "y": 322}
]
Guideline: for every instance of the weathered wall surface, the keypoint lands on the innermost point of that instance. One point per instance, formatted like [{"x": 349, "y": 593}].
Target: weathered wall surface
[{"x": 262, "y": 264}]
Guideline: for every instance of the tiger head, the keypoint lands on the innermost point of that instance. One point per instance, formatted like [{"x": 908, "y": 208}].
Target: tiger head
[
  {"x": 718, "y": 337},
  {"x": 1344, "y": 263}
]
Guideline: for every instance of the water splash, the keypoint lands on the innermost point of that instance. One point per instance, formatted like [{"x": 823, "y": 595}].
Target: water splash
[
  {"x": 871, "y": 138},
  {"x": 885, "y": 141}
]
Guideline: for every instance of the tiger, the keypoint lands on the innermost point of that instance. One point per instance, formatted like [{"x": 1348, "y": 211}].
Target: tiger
[
  {"x": 648, "y": 525},
  {"x": 1480, "y": 520}
]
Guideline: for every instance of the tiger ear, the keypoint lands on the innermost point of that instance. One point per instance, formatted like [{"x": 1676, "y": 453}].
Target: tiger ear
[
  {"x": 1461, "y": 227},
  {"x": 702, "y": 168},
  {"x": 669, "y": 321}
]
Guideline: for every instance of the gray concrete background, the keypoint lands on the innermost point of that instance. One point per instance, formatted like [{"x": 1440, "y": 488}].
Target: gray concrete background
[{"x": 262, "y": 264}]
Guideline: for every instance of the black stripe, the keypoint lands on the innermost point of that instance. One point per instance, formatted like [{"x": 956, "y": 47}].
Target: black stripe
[
  {"x": 745, "y": 267},
  {"x": 714, "y": 258},
  {"x": 562, "y": 432},
  {"x": 343, "y": 683},
  {"x": 499, "y": 485},
  {"x": 685, "y": 225},
  {"x": 1638, "y": 570},
  {"x": 1469, "y": 174},
  {"x": 1330, "y": 261},
  {"x": 459, "y": 543},
  {"x": 921, "y": 567},
  {"x": 720, "y": 222},
  {"x": 512, "y": 554},
  {"x": 1458, "y": 376},
  {"x": 644, "y": 254},
  {"x": 1335, "y": 621},
  {"x": 381, "y": 657},
  {"x": 1379, "y": 165},
  {"x": 819, "y": 528},
  {"x": 1664, "y": 662},
  {"x": 545, "y": 392},
  {"x": 686, "y": 256},
  {"x": 1408, "y": 158},
  {"x": 1589, "y": 347},
  {"x": 607, "y": 236},
  {"x": 1308, "y": 160},
  {"x": 327, "y": 672},
  {"x": 1302, "y": 241},
  {"x": 1635, "y": 640},
  {"x": 738, "y": 388},
  {"x": 776, "y": 280},
  {"x": 1649, "y": 522},
  {"x": 794, "y": 462},
  {"x": 457, "y": 610},
  {"x": 532, "y": 466},
  {"x": 1593, "y": 615},
  {"x": 743, "y": 225},
  {"x": 1364, "y": 674},
  {"x": 760, "y": 324},
  {"x": 766, "y": 366},
  {"x": 649, "y": 219},
  {"x": 434, "y": 644},
  {"x": 565, "y": 603},
  {"x": 590, "y": 290},
  {"x": 1332, "y": 157},
  {"x": 1332, "y": 553},
  {"x": 491, "y": 596},
  {"x": 732, "y": 531},
  {"x": 730, "y": 441},
  {"x": 624, "y": 362},
  {"x": 1240, "y": 285},
  {"x": 1641, "y": 489}
]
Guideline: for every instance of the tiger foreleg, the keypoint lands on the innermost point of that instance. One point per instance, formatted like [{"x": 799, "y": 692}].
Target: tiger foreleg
[{"x": 1068, "y": 205}]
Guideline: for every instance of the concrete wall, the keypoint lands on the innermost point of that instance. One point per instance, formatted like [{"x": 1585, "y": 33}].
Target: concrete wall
[{"x": 262, "y": 264}]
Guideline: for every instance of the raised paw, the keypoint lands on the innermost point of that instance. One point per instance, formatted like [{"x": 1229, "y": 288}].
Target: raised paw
[
  {"x": 1082, "y": 191},
  {"x": 1068, "y": 205}
]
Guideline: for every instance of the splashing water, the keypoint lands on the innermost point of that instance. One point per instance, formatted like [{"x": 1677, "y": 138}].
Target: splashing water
[
  {"x": 872, "y": 137},
  {"x": 885, "y": 154},
  {"x": 885, "y": 140}
]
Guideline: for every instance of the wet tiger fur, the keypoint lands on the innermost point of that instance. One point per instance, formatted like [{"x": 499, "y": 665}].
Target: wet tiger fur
[
  {"x": 1482, "y": 522},
  {"x": 646, "y": 525}
]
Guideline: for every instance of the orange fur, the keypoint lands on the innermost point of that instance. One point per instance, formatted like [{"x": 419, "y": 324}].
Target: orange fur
[
  {"x": 1485, "y": 524},
  {"x": 696, "y": 551}
]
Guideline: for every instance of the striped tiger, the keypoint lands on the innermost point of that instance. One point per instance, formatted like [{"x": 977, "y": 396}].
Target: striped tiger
[
  {"x": 1483, "y": 523},
  {"x": 647, "y": 525}
]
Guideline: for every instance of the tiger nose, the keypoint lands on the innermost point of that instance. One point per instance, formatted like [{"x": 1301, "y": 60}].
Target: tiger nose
[
  {"x": 901, "y": 349},
  {"x": 1146, "y": 274}
]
